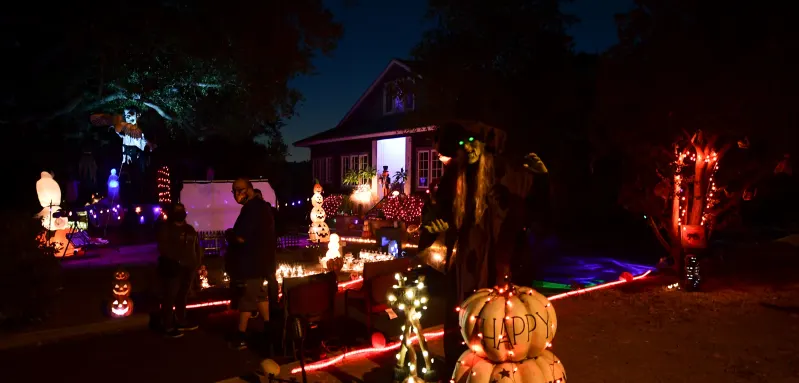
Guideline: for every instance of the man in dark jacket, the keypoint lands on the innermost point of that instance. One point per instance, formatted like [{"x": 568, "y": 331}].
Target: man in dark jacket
[
  {"x": 251, "y": 260},
  {"x": 180, "y": 258}
]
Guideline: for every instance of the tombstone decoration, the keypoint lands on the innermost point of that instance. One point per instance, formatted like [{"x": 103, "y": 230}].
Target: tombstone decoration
[{"x": 508, "y": 330}]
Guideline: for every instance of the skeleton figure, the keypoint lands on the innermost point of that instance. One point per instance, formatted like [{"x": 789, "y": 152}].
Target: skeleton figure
[{"x": 127, "y": 128}]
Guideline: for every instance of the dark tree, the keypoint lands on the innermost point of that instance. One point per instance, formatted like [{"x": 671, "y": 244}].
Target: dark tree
[
  {"x": 197, "y": 64},
  {"x": 690, "y": 84}
]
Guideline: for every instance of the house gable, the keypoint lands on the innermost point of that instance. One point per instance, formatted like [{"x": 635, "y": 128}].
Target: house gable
[{"x": 366, "y": 117}]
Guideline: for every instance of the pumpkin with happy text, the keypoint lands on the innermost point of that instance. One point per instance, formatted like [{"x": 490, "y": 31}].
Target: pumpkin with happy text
[
  {"x": 121, "y": 307},
  {"x": 317, "y": 188},
  {"x": 317, "y": 200},
  {"x": 318, "y": 214},
  {"x": 545, "y": 368},
  {"x": 121, "y": 289},
  {"x": 507, "y": 324}
]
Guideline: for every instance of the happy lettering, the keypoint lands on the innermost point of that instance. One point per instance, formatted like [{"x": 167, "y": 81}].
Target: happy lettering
[{"x": 509, "y": 332}]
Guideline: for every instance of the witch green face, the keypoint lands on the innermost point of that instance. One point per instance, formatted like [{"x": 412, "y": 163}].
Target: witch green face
[{"x": 473, "y": 148}]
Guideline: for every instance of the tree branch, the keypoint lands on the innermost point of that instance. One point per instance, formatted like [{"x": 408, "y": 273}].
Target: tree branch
[
  {"x": 657, "y": 233},
  {"x": 158, "y": 110}
]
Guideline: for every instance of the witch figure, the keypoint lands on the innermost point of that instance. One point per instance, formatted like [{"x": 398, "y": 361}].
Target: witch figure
[{"x": 476, "y": 229}]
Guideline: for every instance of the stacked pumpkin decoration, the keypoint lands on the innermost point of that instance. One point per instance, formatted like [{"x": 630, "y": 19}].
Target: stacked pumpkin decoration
[
  {"x": 121, "y": 305},
  {"x": 508, "y": 331},
  {"x": 319, "y": 231}
]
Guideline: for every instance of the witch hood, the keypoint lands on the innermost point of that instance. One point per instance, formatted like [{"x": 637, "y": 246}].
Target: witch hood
[{"x": 450, "y": 133}]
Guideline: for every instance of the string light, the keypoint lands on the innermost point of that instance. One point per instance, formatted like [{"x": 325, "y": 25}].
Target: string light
[
  {"x": 332, "y": 203},
  {"x": 164, "y": 185},
  {"x": 692, "y": 277},
  {"x": 402, "y": 208},
  {"x": 440, "y": 333},
  {"x": 411, "y": 298}
]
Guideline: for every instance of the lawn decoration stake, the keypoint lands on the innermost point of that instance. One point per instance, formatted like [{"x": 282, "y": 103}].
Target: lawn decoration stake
[
  {"x": 122, "y": 305},
  {"x": 319, "y": 231},
  {"x": 508, "y": 330},
  {"x": 412, "y": 300}
]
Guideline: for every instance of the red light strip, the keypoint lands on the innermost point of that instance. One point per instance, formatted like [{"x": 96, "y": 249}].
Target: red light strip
[
  {"x": 437, "y": 334},
  {"x": 341, "y": 286},
  {"x": 594, "y": 288},
  {"x": 369, "y": 351}
]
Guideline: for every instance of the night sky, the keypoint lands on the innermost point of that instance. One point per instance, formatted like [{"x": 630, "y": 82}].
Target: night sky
[{"x": 377, "y": 31}]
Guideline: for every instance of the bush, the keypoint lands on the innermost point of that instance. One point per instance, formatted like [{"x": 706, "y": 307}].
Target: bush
[{"x": 29, "y": 272}]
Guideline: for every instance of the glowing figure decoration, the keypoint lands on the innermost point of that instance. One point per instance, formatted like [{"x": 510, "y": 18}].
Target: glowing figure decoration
[
  {"x": 49, "y": 194},
  {"x": 333, "y": 250},
  {"x": 113, "y": 185}
]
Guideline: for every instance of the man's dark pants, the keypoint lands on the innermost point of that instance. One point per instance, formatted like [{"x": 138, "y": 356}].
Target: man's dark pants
[{"x": 175, "y": 287}]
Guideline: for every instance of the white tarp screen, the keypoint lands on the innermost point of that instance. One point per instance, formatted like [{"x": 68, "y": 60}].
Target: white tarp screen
[{"x": 210, "y": 205}]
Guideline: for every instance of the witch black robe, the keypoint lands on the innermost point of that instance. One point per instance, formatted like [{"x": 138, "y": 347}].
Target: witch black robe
[{"x": 485, "y": 252}]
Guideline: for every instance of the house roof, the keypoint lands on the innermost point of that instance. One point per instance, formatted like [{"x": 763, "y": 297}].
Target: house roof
[{"x": 384, "y": 126}]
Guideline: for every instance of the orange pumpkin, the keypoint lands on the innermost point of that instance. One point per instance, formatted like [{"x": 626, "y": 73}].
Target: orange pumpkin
[
  {"x": 121, "y": 307},
  {"x": 317, "y": 188},
  {"x": 335, "y": 264}
]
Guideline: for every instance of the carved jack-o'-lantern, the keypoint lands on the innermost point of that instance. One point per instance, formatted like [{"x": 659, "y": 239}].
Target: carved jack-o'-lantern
[
  {"x": 121, "y": 275},
  {"x": 318, "y": 214},
  {"x": 312, "y": 234},
  {"x": 121, "y": 307},
  {"x": 317, "y": 200},
  {"x": 545, "y": 368},
  {"x": 121, "y": 289},
  {"x": 507, "y": 324},
  {"x": 317, "y": 189},
  {"x": 322, "y": 231}
]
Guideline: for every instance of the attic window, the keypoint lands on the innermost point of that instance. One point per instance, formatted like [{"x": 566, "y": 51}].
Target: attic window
[{"x": 396, "y": 99}]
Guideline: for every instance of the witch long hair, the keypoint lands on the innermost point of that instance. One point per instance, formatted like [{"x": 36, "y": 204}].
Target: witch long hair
[{"x": 484, "y": 182}]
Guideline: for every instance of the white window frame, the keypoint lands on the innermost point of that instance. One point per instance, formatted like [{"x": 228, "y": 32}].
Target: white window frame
[
  {"x": 386, "y": 110},
  {"x": 435, "y": 168},
  {"x": 322, "y": 169},
  {"x": 363, "y": 163}
]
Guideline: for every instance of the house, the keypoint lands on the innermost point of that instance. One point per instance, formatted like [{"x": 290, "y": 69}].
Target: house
[{"x": 375, "y": 133}]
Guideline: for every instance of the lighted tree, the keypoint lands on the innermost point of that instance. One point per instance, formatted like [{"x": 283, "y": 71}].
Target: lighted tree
[
  {"x": 681, "y": 93},
  {"x": 203, "y": 66}
]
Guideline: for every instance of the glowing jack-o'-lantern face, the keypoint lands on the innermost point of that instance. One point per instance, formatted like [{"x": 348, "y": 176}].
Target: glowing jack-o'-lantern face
[
  {"x": 507, "y": 324},
  {"x": 121, "y": 275},
  {"x": 121, "y": 288},
  {"x": 317, "y": 200},
  {"x": 317, "y": 189},
  {"x": 321, "y": 230},
  {"x": 545, "y": 368},
  {"x": 121, "y": 307},
  {"x": 318, "y": 214}
]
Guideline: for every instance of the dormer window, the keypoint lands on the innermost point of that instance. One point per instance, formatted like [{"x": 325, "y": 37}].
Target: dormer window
[{"x": 397, "y": 98}]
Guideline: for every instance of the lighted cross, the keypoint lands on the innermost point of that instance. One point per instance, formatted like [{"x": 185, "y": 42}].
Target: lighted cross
[{"x": 412, "y": 300}]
